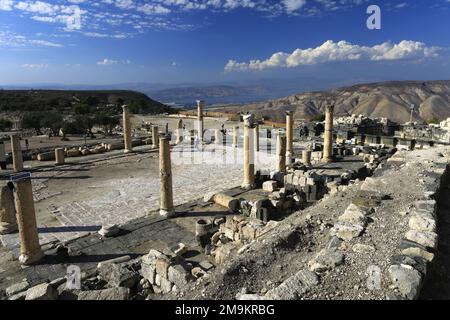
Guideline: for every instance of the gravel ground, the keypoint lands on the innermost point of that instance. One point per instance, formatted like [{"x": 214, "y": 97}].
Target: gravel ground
[{"x": 284, "y": 251}]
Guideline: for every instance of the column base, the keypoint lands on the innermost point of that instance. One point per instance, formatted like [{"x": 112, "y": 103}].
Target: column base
[
  {"x": 154, "y": 146},
  {"x": 327, "y": 160},
  {"x": 127, "y": 151},
  {"x": 30, "y": 259},
  {"x": 6, "y": 228},
  {"x": 248, "y": 186},
  {"x": 167, "y": 213}
]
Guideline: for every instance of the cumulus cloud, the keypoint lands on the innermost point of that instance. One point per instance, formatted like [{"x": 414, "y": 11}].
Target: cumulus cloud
[
  {"x": 293, "y": 5},
  {"x": 332, "y": 51},
  {"x": 6, "y": 5}
]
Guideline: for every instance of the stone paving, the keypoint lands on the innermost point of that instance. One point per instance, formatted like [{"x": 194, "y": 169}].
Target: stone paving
[{"x": 127, "y": 198}]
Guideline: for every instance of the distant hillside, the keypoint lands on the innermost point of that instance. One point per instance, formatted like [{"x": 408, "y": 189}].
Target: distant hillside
[
  {"x": 386, "y": 99},
  {"x": 64, "y": 101}
]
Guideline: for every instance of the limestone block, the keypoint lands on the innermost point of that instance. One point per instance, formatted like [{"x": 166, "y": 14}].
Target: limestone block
[
  {"x": 425, "y": 238},
  {"x": 42, "y": 291},
  {"x": 106, "y": 294},
  {"x": 347, "y": 231},
  {"x": 325, "y": 260},
  {"x": 162, "y": 267},
  {"x": 270, "y": 186},
  {"x": 407, "y": 280},
  {"x": 422, "y": 223},
  {"x": 178, "y": 275}
]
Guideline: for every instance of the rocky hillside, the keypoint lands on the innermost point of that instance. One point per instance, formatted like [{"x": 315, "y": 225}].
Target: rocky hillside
[{"x": 387, "y": 99}]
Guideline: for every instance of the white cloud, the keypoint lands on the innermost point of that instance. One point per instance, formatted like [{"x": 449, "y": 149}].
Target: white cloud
[
  {"x": 332, "y": 51},
  {"x": 107, "y": 62},
  {"x": 32, "y": 66},
  {"x": 6, "y": 5},
  {"x": 293, "y": 5}
]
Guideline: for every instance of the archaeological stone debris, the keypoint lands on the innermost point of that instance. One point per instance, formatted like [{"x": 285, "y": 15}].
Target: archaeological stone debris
[{"x": 225, "y": 209}]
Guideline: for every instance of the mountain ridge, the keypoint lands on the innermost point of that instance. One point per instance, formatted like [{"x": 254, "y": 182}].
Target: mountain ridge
[{"x": 391, "y": 99}]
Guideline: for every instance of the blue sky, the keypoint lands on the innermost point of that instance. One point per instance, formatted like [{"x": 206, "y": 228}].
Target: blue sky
[{"x": 218, "y": 41}]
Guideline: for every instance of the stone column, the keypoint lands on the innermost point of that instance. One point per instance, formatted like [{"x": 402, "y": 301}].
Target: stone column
[
  {"x": 289, "y": 137},
  {"x": 165, "y": 170},
  {"x": 2, "y": 156},
  {"x": 306, "y": 157},
  {"x": 59, "y": 156},
  {"x": 8, "y": 223},
  {"x": 200, "y": 106},
  {"x": 30, "y": 249},
  {"x": 328, "y": 137},
  {"x": 179, "y": 132},
  {"x": 236, "y": 137},
  {"x": 256, "y": 134},
  {"x": 249, "y": 161},
  {"x": 155, "y": 137},
  {"x": 127, "y": 130},
  {"x": 16, "y": 153},
  {"x": 217, "y": 137},
  {"x": 281, "y": 153}
]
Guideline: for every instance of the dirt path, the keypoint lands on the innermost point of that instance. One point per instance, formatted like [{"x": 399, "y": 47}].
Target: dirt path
[{"x": 437, "y": 286}]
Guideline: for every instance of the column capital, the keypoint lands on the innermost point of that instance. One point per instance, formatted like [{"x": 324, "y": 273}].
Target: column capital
[
  {"x": 200, "y": 103},
  {"x": 329, "y": 107},
  {"x": 125, "y": 107}
]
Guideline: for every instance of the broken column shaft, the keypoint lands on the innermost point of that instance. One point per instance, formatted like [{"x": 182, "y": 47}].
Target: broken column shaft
[
  {"x": 2, "y": 156},
  {"x": 249, "y": 157},
  {"x": 227, "y": 201},
  {"x": 306, "y": 157},
  {"x": 155, "y": 137},
  {"x": 289, "y": 137},
  {"x": 200, "y": 106},
  {"x": 59, "y": 156},
  {"x": 165, "y": 170},
  {"x": 16, "y": 153},
  {"x": 328, "y": 137},
  {"x": 30, "y": 249},
  {"x": 256, "y": 134},
  {"x": 127, "y": 129},
  {"x": 179, "y": 131},
  {"x": 281, "y": 153},
  {"x": 8, "y": 222},
  {"x": 236, "y": 137}
]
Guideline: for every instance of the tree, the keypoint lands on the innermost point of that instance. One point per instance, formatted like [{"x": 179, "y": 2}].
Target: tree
[
  {"x": 318, "y": 118},
  {"x": 32, "y": 121},
  {"x": 5, "y": 124},
  {"x": 53, "y": 121},
  {"x": 82, "y": 109},
  {"x": 106, "y": 122}
]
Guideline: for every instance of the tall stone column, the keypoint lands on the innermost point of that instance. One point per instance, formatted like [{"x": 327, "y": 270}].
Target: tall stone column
[
  {"x": 16, "y": 153},
  {"x": 59, "y": 156},
  {"x": 289, "y": 137},
  {"x": 179, "y": 132},
  {"x": 236, "y": 137},
  {"x": 200, "y": 107},
  {"x": 2, "y": 156},
  {"x": 155, "y": 137},
  {"x": 249, "y": 156},
  {"x": 256, "y": 134},
  {"x": 281, "y": 153},
  {"x": 30, "y": 249},
  {"x": 165, "y": 170},
  {"x": 328, "y": 137},
  {"x": 127, "y": 129},
  {"x": 8, "y": 222}
]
